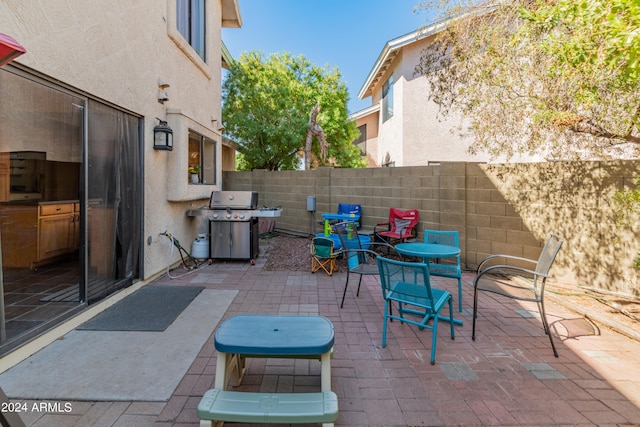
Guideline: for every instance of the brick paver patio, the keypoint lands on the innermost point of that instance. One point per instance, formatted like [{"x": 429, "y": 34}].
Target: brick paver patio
[{"x": 507, "y": 377}]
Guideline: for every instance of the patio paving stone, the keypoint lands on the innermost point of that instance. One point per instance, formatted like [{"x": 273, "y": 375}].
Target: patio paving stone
[{"x": 507, "y": 377}]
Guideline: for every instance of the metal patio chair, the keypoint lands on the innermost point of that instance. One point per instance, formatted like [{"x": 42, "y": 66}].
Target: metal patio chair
[
  {"x": 408, "y": 285},
  {"x": 446, "y": 267},
  {"x": 360, "y": 259},
  {"x": 520, "y": 283}
]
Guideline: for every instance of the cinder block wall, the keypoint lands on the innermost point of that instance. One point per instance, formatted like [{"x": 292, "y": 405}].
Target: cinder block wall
[{"x": 507, "y": 208}]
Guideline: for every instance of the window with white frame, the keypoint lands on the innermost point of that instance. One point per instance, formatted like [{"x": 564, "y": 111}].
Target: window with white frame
[
  {"x": 190, "y": 20},
  {"x": 202, "y": 159},
  {"x": 387, "y": 99}
]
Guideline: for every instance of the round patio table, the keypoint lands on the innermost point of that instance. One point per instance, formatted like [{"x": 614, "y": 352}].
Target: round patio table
[{"x": 427, "y": 250}]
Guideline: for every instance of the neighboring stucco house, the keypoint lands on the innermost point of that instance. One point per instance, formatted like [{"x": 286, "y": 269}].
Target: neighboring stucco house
[
  {"x": 84, "y": 194},
  {"x": 401, "y": 128}
]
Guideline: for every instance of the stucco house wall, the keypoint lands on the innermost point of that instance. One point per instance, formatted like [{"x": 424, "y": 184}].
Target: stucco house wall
[
  {"x": 391, "y": 131},
  {"x": 426, "y": 137},
  {"x": 415, "y": 135},
  {"x": 119, "y": 52},
  {"x": 369, "y": 119}
]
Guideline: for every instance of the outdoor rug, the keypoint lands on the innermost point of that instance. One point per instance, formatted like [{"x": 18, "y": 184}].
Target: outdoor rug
[
  {"x": 151, "y": 308},
  {"x": 119, "y": 365}
]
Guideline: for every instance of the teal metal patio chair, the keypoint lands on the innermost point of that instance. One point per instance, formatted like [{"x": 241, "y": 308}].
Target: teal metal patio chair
[
  {"x": 360, "y": 258},
  {"x": 407, "y": 284},
  {"x": 520, "y": 283},
  {"x": 447, "y": 267}
]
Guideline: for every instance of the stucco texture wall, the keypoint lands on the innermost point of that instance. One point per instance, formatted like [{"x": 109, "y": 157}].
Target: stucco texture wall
[
  {"x": 507, "y": 208},
  {"x": 118, "y": 52}
]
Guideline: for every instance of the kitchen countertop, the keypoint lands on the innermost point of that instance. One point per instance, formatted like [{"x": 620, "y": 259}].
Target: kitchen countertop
[
  {"x": 57, "y": 202},
  {"x": 37, "y": 202}
]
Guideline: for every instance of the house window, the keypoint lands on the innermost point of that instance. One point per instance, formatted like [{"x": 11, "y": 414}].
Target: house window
[
  {"x": 361, "y": 141},
  {"x": 202, "y": 159},
  {"x": 387, "y": 99},
  {"x": 190, "y": 20}
]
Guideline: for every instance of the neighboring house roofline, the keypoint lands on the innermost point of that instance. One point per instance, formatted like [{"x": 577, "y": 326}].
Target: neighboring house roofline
[
  {"x": 394, "y": 46},
  {"x": 390, "y": 51},
  {"x": 231, "y": 17},
  {"x": 364, "y": 112},
  {"x": 230, "y": 143},
  {"x": 227, "y": 59}
]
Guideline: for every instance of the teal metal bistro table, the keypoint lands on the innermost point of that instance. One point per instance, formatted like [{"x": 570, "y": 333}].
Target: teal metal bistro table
[{"x": 426, "y": 251}]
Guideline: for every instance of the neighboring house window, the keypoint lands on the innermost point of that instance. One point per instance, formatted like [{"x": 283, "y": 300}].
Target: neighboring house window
[
  {"x": 202, "y": 158},
  {"x": 387, "y": 99},
  {"x": 361, "y": 142},
  {"x": 190, "y": 18}
]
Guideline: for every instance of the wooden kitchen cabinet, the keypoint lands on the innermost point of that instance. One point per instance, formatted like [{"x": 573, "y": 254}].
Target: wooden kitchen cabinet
[
  {"x": 55, "y": 230},
  {"x": 35, "y": 235},
  {"x": 19, "y": 225}
]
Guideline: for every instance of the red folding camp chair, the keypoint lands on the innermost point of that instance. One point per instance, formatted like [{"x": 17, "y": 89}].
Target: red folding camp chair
[{"x": 400, "y": 227}]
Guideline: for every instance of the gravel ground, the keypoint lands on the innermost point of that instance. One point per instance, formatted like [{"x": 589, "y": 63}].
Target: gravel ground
[
  {"x": 291, "y": 253},
  {"x": 286, "y": 253}
]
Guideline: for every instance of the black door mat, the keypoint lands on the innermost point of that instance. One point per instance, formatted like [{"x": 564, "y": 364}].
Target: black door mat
[{"x": 151, "y": 308}]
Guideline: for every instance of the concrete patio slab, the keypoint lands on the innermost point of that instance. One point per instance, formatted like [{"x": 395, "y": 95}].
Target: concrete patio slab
[{"x": 119, "y": 365}]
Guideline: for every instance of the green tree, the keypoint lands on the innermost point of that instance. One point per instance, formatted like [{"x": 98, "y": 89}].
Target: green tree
[
  {"x": 267, "y": 103},
  {"x": 558, "y": 78}
]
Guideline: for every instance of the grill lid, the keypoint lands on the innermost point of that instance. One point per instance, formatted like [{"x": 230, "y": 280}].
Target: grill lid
[{"x": 233, "y": 200}]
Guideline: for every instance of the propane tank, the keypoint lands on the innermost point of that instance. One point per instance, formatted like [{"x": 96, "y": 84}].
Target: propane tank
[{"x": 200, "y": 247}]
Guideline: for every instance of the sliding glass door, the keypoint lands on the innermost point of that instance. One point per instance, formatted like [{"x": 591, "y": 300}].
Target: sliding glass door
[
  {"x": 114, "y": 200},
  {"x": 70, "y": 203},
  {"x": 41, "y": 138}
]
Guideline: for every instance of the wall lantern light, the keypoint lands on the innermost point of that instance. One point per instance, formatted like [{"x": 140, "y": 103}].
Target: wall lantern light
[
  {"x": 9, "y": 49},
  {"x": 162, "y": 136}
]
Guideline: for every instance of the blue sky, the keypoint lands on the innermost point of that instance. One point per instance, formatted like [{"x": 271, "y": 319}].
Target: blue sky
[{"x": 347, "y": 34}]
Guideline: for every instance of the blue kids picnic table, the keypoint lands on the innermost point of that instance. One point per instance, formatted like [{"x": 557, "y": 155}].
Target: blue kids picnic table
[
  {"x": 248, "y": 335},
  {"x": 270, "y": 336}
]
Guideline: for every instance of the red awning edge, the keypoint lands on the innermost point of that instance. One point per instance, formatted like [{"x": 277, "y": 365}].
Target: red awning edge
[{"x": 9, "y": 49}]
